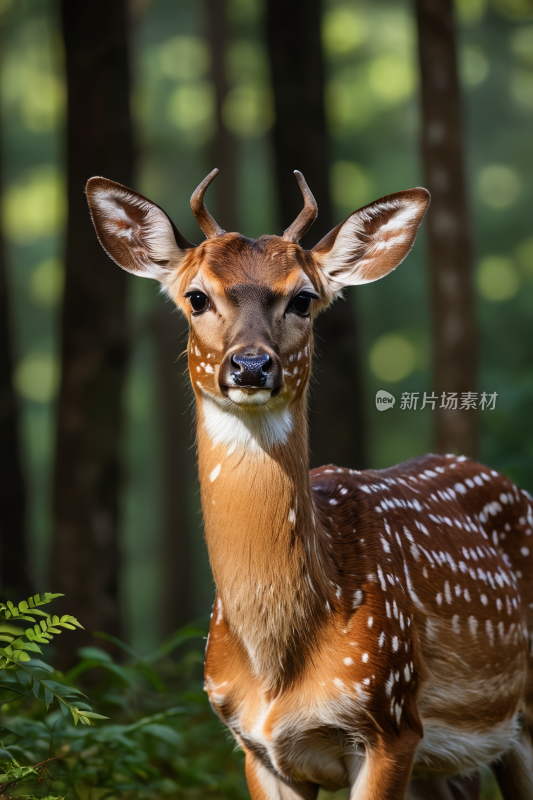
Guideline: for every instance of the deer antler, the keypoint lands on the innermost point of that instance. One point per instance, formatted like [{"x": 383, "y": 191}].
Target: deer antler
[
  {"x": 307, "y": 215},
  {"x": 206, "y": 222}
]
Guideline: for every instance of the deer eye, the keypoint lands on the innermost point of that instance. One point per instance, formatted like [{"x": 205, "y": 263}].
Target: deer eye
[
  {"x": 301, "y": 304},
  {"x": 199, "y": 302}
]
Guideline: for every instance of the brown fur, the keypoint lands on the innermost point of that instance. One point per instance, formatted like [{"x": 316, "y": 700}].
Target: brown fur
[{"x": 367, "y": 626}]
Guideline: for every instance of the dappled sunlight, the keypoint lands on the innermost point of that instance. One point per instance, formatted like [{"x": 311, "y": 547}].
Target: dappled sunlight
[
  {"x": 392, "y": 358},
  {"x": 497, "y": 278},
  {"x": 498, "y": 186},
  {"x": 34, "y": 206}
]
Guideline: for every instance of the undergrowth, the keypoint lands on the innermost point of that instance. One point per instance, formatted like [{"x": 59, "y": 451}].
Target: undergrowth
[{"x": 161, "y": 738}]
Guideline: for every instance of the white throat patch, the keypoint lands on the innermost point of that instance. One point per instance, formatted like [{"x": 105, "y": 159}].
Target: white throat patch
[{"x": 251, "y": 428}]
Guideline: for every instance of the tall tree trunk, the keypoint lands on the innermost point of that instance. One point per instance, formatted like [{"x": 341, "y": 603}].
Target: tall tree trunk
[
  {"x": 85, "y": 556},
  {"x": 15, "y": 582},
  {"x": 301, "y": 142},
  {"x": 223, "y": 148},
  {"x": 179, "y": 469},
  {"x": 449, "y": 228}
]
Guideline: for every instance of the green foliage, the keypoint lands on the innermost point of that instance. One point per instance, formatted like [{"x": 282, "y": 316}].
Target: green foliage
[
  {"x": 162, "y": 737},
  {"x": 30, "y": 674}
]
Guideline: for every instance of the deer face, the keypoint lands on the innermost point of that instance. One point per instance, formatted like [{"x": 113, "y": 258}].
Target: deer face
[{"x": 251, "y": 303}]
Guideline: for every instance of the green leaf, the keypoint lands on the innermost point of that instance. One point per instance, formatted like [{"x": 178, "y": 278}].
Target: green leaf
[
  {"x": 165, "y": 733},
  {"x": 5, "y": 627},
  {"x": 191, "y": 631},
  {"x": 20, "y": 655},
  {"x": 38, "y": 690},
  {"x": 95, "y": 654},
  {"x": 48, "y": 696},
  {"x": 118, "y": 642},
  {"x": 8, "y": 693},
  {"x": 61, "y": 689},
  {"x": 92, "y": 715},
  {"x": 20, "y": 644}
]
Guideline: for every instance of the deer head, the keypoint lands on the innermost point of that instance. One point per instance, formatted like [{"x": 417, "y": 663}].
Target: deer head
[{"x": 251, "y": 302}]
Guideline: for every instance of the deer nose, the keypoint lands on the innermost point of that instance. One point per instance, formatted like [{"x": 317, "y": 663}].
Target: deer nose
[{"x": 251, "y": 368}]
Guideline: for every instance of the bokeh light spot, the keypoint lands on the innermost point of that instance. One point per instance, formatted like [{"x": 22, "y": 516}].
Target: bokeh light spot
[
  {"x": 36, "y": 377},
  {"x": 46, "y": 282},
  {"x": 524, "y": 257},
  {"x": 514, "y": 9},
  {"x": 184, "y": 57},
  {"x": 34, "y": 207},
  {"x": 474, "y": 66},
  {"x": 351, "y": 185},
  {"x": 470, "y": 11},
  {"x": 497, "y": 278},
  {"x": 248, "y": 111},
  {"x": 392, "y": 78},
  {"x": 498, "y": 186},
  {"x": 191, "y": 109},
  {"x": 522, "y": 88},
  {"x": 343, "y": 30},
  {"x": 392, "y": 358}
]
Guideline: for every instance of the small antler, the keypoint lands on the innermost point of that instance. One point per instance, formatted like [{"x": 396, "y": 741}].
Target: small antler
[
  {"x": 307, "y": 215},
  {"x": 206, "y": 222}
]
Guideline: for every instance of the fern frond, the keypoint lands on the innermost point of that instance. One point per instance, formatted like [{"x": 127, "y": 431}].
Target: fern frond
[{"x": 19, "y": 641}]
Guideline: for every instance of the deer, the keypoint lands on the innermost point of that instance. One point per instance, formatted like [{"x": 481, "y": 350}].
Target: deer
[{"x": 371, "y": 629}]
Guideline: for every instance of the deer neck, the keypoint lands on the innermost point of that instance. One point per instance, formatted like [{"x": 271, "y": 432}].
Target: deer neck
[{"x": 261, "y": 533}]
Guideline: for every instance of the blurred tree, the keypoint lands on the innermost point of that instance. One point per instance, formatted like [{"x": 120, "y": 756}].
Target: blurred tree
[
  {"x": 222, "y": 151},
  {"x": 94, "y": 350},
  {"x": 300, "y": 141},
  {"x": 170, "y": 331},
  {"x": 449, "y": 228},
  {"x": 14, "y": 576}
]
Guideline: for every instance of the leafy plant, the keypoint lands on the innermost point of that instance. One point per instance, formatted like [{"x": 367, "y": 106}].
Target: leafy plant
[
  {"x": 162, "y": 737},
  {"x": 31, "y": 674}
]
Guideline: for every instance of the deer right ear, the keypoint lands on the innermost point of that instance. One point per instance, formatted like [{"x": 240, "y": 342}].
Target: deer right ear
[
  {"x": 371, "y": 242},
  {"x": 133, "y": 231}
]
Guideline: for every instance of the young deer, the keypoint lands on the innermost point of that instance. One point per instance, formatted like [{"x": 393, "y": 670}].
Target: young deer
[{"x": 368, "y": 627}]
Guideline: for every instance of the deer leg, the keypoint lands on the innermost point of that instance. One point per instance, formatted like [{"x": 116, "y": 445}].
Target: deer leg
[
  {"x": 386, "y": 770},
  {"x": 265, "y": 785},
  {"x": 430, "y": 789},
  {"x": 458, "y": 788},
  {"x": 514, "y": 772}
]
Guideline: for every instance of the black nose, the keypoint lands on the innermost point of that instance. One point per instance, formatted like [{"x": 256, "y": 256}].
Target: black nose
[{"x": 252, "y": 368}]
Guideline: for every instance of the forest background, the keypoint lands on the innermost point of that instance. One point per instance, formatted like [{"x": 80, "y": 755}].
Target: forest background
[{"x": 98, "y": 487}]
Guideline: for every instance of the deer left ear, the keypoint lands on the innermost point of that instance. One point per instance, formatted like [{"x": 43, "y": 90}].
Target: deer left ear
[
  {"x": 134, "y": 232},
  {"x": 371, "y": 242}
]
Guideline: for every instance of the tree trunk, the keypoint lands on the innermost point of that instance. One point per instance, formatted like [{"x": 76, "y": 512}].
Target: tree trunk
[
  {"x": 15, "y": 583},
  {"x": 301, "y": 142},
  {"x": 94, "y": 346},
  {"x": 449, "y": 228},
  {"x": 222, "y": 151},
  {"x": 180, "y": 483}
]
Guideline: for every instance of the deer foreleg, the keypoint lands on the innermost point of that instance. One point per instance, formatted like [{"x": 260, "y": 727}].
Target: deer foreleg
[
  {"x": 442, "y": 789},
  {"x": 265, "y": 785},
  {"x": 386, "y": 770},
  {"x": 514, "y": 772}
]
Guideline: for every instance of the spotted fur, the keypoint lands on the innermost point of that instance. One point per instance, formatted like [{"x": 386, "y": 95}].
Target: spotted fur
[{"x": 369, "y": 627}]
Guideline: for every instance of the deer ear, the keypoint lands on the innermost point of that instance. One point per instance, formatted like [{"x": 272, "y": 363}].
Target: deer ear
[
  {"x": 371, "y": 242},
  {"x": 133, "y": 231}
]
